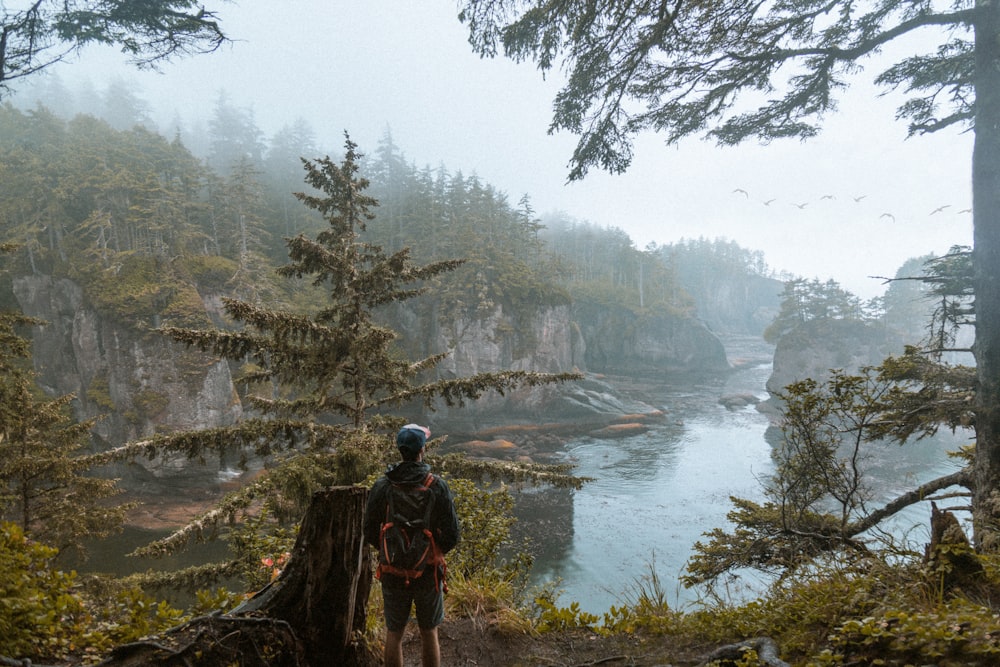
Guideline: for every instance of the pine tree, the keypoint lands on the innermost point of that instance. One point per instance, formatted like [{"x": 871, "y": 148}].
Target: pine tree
[
  {"x": 323, "y": 383},
  {"x": 234, "y": 136},
  {"x": 44, "y": 485}
]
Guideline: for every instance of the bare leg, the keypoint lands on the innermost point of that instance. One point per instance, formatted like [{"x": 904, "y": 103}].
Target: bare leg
[
  {"x": 430, "y": 649},
  {"x": 394, "y": 648}
]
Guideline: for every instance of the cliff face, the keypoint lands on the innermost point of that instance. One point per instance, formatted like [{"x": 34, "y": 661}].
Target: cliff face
[
  {"x": 621, "y": 342},
  {"x": 146, "y": 384},
  {"x": 812, "y": 349},
  {"x": 141, "y": 381},
  {"x": 548, "y": 342}
]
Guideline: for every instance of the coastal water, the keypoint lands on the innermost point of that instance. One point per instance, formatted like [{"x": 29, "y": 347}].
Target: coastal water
[{"x": 654, "y": 495}]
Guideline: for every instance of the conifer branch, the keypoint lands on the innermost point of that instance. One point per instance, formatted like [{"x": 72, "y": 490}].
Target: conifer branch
[{"x": 206, "y": 526}]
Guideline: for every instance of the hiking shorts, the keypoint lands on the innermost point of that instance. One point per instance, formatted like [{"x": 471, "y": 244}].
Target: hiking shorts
[{"x": 398, "y": 602}]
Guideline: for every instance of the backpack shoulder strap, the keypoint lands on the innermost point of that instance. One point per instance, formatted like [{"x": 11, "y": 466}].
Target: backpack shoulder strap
[{"x": 428, "y": 481}]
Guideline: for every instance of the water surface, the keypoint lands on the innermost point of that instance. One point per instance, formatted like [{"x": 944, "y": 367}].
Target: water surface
[{"x": 654, "y": 495}]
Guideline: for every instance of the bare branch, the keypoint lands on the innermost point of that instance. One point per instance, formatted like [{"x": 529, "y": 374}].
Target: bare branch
[{"x": 921, "y": 493}]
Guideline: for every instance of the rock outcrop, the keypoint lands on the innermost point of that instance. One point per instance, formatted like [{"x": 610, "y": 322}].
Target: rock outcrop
[
  {"x": 139, "y": 382},
  {"x": 816, "y": 347},
  {"x": 546, "y": 342},
  {"x": 621, "y": 342}
]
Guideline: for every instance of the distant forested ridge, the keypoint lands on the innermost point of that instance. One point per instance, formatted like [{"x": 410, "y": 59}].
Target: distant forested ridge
[{"x": 122, "y": 230}]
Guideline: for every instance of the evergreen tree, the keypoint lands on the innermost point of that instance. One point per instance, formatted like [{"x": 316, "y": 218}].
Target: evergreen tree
[
  {"x": 233, "y": 137},
  {"x": 950, "y": 279},
  {"x": 907, "y": 300},
  {"x": 394, "y": 179},
  {"x": 123, "y": 108},
  {"x": 44, "y": 482},
  {"x": 324, "y": 382},
  {"x": 238, "y": 229},
  {"x": 282, "y": 175}
]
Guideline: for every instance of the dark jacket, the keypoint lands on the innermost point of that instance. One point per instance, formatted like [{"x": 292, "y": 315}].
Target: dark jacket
[{"x": 444, "y": 519}]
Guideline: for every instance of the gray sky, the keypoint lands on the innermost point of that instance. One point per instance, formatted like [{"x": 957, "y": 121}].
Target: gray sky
[{"x": 405, "y": 65}]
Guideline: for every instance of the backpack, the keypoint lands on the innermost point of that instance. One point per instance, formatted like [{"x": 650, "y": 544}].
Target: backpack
[{"x": 406, "y": 544}]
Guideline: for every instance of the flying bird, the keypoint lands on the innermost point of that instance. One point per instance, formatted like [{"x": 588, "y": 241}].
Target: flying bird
[
  {"x": 800, "y": 206},
  {"x": 888, "y": 215},
  {"x": 742, "y": 192},
  {"x": 940, "y": 208},
  {"x": 859, "y": 198},
  {"x": 827, "y": 197},
  {"x": 768, "y": 202},
  {"x": 966, "y": 210}
]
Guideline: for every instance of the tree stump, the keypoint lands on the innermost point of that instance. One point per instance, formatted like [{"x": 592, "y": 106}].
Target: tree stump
[
  {"x": 312, "y": 615},
  {"x": 950, "y": 556}
]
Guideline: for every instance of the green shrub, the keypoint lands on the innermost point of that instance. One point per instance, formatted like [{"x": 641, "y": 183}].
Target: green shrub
[
  {"x": 552, "y": 618},
  {"x": 129, "y": 615},
  {"x": 487, "y": 518},
  {"x": 952, "y": 634},
  {"x": 150, "y": 403},
  {"x": 185, "y": 309},
  {"x": 99, "y": 393},
  {"x": 41, "y": 615}
]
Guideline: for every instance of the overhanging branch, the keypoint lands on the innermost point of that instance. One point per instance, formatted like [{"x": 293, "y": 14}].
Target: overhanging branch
[
  {"x": 866, "y": 46},
  {"x": 962, "y": 477}
]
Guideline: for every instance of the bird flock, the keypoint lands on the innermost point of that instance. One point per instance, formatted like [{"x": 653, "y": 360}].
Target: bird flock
[{"x": 857, "y": 199}]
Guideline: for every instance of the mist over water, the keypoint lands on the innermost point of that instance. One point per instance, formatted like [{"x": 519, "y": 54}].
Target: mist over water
[{"x": 654, "y": 495}]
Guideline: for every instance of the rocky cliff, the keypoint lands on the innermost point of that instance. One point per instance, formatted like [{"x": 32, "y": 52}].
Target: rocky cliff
[
  {"x": 548, "y": 342},
  {"x": 812, "y": 349},
  {"x": 622, "y": 342},
  {"x": 146, "y": 384},
  {"x": 139, "y": 382}
]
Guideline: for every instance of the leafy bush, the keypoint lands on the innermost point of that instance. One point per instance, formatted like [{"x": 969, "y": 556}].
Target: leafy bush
[
  {"x": 956, "y": 633},
  {"x": 210, "y": 272},
  {"x": 41, "y": 615},
  {"x": 127, "y": 615},
  {"x": 552, "y": 618},
  {"x": 486, "y": 518}
]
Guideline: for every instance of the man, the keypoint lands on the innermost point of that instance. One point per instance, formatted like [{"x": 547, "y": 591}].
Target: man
[{"x": 424, "y": 590}]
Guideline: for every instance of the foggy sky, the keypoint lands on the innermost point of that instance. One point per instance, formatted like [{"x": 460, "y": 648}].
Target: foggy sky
[{"x": 405, "y": 66}]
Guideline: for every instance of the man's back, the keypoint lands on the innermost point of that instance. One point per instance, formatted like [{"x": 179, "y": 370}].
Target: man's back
[{"x": 443, "y": 520}]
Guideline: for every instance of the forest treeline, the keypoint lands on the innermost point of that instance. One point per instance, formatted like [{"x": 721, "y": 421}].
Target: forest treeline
[{"x": 132, "y": 214}]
